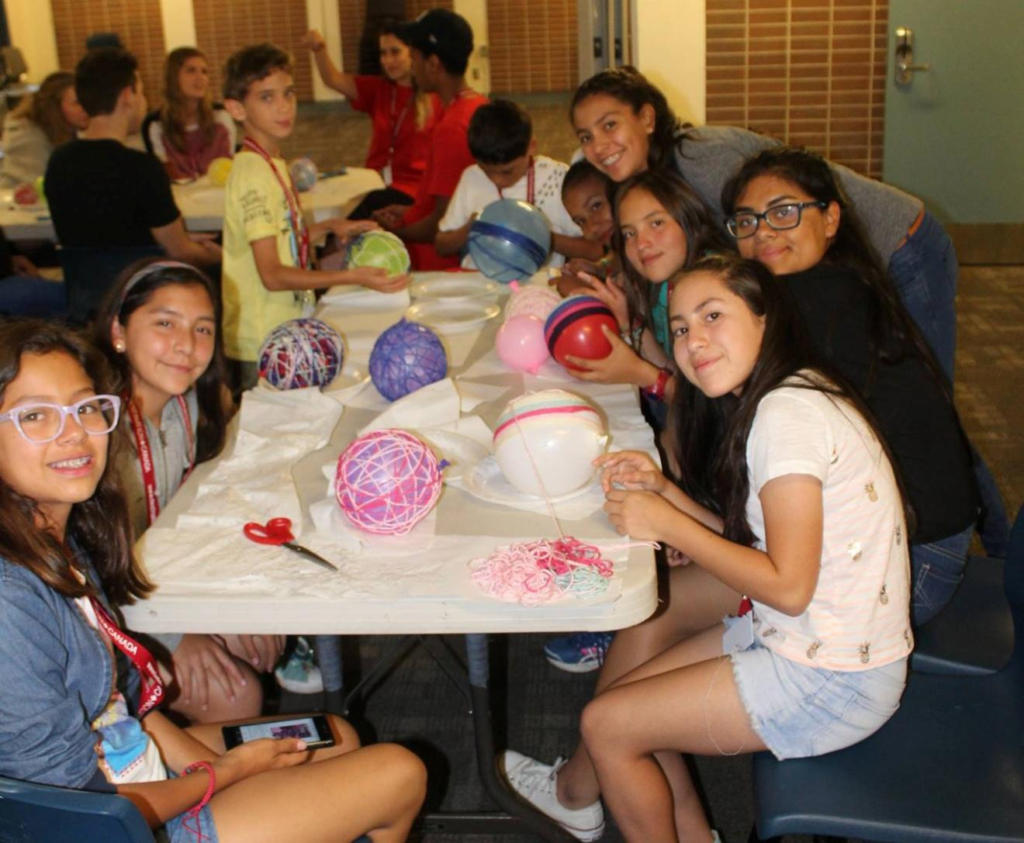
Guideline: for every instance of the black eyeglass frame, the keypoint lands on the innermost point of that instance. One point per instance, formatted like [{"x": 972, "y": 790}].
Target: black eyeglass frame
[{"x": 730, "y": 222}]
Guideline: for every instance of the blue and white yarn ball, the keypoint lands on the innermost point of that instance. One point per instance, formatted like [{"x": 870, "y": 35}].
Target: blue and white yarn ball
[
  {"x": 300, "y": 353},
  {"x": 406, "y": 357}
]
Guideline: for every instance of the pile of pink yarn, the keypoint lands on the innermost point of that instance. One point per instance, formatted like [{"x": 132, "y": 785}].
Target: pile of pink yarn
[
  {"x": 387, "y": 482},
  {"x": 538, "y": 572}
]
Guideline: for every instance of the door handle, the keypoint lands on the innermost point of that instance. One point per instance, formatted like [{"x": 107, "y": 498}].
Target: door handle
[{"x": 905, "y": 67}]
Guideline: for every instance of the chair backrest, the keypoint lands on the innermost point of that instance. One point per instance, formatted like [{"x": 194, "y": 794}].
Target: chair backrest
[
  {"x": 39, "y": 813},
  {"x": 1013, "y": 584},
  {"x": 89, "y": 273}
]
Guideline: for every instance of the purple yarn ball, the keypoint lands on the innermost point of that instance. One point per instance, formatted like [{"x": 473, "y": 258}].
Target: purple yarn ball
[{"x": 405, "y": 357}]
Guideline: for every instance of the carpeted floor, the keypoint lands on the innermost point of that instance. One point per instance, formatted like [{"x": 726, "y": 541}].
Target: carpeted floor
[{"x": 418, "y": 706}]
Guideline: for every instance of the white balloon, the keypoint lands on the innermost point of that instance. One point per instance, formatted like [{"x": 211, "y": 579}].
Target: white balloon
[{"x": 560, "y": 448}]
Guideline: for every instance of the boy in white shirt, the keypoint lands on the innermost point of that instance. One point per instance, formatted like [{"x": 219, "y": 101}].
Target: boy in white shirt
[{"x": 501, "y": 140}]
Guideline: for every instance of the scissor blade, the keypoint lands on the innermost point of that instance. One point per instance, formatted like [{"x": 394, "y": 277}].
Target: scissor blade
[{"x": 310, "y": 555}]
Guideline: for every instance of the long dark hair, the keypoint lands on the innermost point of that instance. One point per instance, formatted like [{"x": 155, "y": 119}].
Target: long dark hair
[
  {"x": 683, "y": 204},
  {"x": 133, "y": 289},
  {"x": 630, "y": 86},
  {"x": 893, "y": 334},
  {"x": 710, "y": 434},
  {"x": 99, "y": 526}
]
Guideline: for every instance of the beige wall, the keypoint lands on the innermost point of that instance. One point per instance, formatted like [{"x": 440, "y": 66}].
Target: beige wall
[
  {"x": 670, "y": 47},
  {"x": 31, "y": 25}
]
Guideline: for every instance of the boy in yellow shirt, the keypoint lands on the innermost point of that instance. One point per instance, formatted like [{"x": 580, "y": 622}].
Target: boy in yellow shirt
[{"x": 268, "y": 274}]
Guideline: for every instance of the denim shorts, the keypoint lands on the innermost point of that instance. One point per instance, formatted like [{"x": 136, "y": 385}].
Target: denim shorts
[
  {"x": 800, "y": 711},
  {"x": 176, "y": 831}
]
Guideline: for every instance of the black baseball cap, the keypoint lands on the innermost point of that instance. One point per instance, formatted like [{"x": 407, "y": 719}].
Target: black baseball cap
[{"x": 441, "y": 33}]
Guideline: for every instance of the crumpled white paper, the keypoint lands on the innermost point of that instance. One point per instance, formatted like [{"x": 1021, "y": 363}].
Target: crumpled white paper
[{"x": 254, "y": 482}]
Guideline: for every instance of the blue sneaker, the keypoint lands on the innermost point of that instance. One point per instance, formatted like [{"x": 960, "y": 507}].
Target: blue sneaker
[{"x": 581, "y": 652}]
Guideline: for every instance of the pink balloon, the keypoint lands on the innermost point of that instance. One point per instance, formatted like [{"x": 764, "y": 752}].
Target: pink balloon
[{"x": 520, "y": 344}]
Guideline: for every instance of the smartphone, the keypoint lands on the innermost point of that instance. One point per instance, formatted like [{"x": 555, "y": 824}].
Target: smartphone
[{"x": 313, "y": 729}]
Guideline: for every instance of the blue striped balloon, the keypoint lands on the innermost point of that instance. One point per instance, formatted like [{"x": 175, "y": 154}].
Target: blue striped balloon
[{"x": 510, "y": 240}]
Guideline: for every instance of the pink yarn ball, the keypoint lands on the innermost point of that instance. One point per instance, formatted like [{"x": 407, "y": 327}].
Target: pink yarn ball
[
  {"x": 387, "y": 482},
  {"x": 532, "y": 301},
  {"x": 521, "y": 345}
]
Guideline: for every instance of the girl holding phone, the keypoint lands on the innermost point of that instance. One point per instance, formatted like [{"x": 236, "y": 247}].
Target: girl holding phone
[{"x": 65, "y": 550}]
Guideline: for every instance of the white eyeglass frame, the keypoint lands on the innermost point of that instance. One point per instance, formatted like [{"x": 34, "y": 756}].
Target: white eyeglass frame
[{"x": 65, "y": 411}]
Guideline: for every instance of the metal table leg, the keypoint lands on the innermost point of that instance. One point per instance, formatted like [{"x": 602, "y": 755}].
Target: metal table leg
[{"x": 479, "y": 677}]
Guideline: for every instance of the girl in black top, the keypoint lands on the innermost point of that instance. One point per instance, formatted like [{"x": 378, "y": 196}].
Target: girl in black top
[{"x": 786, "y": 210}]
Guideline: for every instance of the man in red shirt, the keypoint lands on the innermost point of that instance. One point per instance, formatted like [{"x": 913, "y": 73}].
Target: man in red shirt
[{"x": 441, "y": 42}]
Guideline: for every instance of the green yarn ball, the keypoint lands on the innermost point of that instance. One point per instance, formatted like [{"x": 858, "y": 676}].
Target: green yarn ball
[{"x": 380, "y": 249}]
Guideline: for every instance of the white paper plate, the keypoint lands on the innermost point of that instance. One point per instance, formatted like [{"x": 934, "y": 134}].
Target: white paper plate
[
  {"x": 455, "y": 287},
  {"x": 461, "y": 452},
  {"x": 453, "y": 317},
  {"x": 486, "y": 481}
]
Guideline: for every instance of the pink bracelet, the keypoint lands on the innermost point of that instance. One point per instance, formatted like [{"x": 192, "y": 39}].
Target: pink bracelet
[
  {"x": 193, "y": 812},
  {"x": 657, "y": 389}
]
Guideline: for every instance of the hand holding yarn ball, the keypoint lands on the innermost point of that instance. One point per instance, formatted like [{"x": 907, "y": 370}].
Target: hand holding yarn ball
[
  {"x": 304, "y": 173},
  {"x": 406, "y": 357},
  {"x": 300, "y": 353},
  {"x": 546, "y": 442},
  {"x": 520, "y": 344},
  {"x": 380, "y": 249},
  {"x": 387, "y": 482},
  {"x": 574, "y": 329},
  {"x": 510, "y": 240}
]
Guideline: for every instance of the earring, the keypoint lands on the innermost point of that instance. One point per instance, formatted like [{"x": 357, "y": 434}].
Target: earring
[{"x": 119, "y": 347}]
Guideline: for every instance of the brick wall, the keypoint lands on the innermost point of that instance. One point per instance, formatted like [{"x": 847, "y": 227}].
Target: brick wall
[
  {"x": 137, "y": 22},
  {"x": 223, "y": 26},
  {"x": 811, "y": 72},
  {"x": 533, "y": 45}
]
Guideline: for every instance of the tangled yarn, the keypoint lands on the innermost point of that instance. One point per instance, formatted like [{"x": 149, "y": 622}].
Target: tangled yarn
[
  {"x": 299, "y": 353},
  {"x": 405, "y": 357},
  {"x": 531, "y": 301},
  {"x": 387, "y": 481},
  {"x": 379, "y": 249},
  {"x": 538, "y": 572}
]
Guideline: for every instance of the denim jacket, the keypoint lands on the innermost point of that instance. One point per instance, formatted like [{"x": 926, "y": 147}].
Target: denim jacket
[{"x": 55, "y": 679}]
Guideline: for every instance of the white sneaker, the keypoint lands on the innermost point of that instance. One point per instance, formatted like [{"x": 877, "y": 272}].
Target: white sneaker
[{"x": 534, "y": 781}]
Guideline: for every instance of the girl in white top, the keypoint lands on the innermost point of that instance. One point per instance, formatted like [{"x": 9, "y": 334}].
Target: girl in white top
[
  {"x": 41, "y": 123},
  {"x": 159, "y": 330},
  {"x": 786, "y": 497}
]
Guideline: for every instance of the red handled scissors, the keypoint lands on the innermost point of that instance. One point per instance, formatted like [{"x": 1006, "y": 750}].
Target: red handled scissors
[{"x": 278, "y": 531}]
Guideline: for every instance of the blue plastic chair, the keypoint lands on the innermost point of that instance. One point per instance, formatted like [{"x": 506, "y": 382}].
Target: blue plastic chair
[
  {"x": 973, "y": 635},
  {"x": 949, "y": 765},
  {"x": 39, "y": 813}
]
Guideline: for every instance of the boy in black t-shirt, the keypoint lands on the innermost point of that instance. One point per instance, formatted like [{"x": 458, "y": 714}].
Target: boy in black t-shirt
[{"x": 103, "y": 194}]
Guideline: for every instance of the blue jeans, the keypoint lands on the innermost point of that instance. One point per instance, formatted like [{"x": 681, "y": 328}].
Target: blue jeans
[
  {"x": 936, "y": 571},
  {"x": 23, "y": 295},
  {"x": 924, "y": 272}
]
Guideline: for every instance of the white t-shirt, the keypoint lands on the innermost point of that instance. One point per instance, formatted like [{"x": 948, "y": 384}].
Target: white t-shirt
[
  {"x": 859, "y": 616},
  {"x": 475, "y": 192}
]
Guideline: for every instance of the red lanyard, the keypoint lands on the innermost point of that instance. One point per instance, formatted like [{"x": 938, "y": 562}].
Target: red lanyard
[
  {"x": 291, "y": 195},
  {"x": 152, "y": 685},
  {"x": 529, "y": 184},
  {"x": 396, "y": 124},
  {"x": 138, "y": 428}
]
